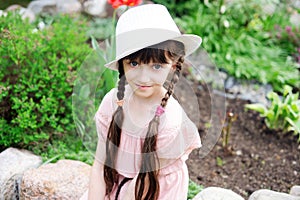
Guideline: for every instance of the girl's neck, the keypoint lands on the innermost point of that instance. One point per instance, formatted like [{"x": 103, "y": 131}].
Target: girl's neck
[
  {"x": 139, "y": 111},
  {"x": 145, "y": 102}
]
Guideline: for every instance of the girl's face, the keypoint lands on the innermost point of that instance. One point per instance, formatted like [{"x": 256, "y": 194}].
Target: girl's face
[{"x": 146, "y": 80}]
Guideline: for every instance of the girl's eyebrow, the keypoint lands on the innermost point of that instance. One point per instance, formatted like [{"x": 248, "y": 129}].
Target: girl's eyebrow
[
  {"x": 131, "y": 60},
  {"x": 151, "y": 61}
]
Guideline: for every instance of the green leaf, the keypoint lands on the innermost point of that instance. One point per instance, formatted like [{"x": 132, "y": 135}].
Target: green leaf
[
  {"x": 219, "y": 161},
  {"x": 257, "y": 107},
  {"x": 270, "y": 115},
  {"x": 292, "y": 112},
  {"x": 273, "y": 97},
  {"x": 287, "y": 90},
  {"x": 295, "y": 125}
]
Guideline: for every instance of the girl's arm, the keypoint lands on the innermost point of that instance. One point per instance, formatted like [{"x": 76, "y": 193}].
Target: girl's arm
[{"x": 97, "y": 184}]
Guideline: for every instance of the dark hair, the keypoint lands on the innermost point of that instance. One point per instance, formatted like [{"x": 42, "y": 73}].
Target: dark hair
[{"x": 149, "y": 170}]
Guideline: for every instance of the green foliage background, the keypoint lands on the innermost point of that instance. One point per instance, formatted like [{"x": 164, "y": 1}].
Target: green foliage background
[
  {"x": 242, "y": 38},
  {"x": 38, "y": 69}
]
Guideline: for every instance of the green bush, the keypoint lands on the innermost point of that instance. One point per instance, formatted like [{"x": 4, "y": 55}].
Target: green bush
[
  {"x": 288, "y": 37},
  {"x": 239, "y": 37},
  {"x": 179, "y": 8},
  {"x": 38, "y": 68}
]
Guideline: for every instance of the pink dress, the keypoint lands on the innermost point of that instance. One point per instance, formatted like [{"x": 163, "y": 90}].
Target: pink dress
[{"x": 177, "y": 137}]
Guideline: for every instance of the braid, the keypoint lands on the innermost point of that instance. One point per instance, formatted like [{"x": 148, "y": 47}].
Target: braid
[
  {"x": 174, "y": 80},
  {"x": 150, "y": 162},
  {"x": 114, "y": 137}
]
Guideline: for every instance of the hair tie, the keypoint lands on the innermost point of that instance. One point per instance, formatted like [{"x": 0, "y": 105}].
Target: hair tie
[
  {"x": 120, "y": 102},
  {"x": 159, "y": 111}
]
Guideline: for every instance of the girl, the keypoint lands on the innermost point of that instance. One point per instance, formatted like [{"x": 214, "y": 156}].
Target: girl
[{"x": 145, "y": 137}]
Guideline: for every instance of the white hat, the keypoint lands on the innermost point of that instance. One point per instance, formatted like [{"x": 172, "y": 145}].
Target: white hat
[{"x": 147, "y": 25}]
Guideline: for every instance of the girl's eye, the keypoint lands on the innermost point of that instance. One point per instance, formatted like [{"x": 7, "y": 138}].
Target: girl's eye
[
  {"x": 157, "y": 66},
  {"x": 134, "y": 64}
]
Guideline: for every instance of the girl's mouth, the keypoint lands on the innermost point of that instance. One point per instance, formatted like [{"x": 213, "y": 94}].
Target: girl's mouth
[{"x": 143, "y": 87}]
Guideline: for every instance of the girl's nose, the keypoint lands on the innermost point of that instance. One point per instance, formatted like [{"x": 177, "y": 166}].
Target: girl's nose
[{"x": 144, "y": 75}]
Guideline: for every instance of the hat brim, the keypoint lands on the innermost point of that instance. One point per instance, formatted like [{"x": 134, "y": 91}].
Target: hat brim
[{"x": 190, "y": 41}]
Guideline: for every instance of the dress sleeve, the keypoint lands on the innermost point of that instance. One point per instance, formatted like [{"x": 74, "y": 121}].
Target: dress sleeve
[
  {"x": 191, "y": 137},
  {"x": 176, "y": 142}
]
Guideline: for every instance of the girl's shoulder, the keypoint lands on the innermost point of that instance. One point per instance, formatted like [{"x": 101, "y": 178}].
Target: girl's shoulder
[
  {"x": 175, "y": 112},
  {"x": 109, "y": 96},
  {"x": 175, "y": 118}
]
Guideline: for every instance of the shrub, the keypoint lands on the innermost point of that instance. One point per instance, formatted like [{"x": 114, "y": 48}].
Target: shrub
[
  {"x": 289, "y": 38},
  {"x": 38, "y": 68},
  {"x": 239, "y": 38},
  {"x": 179, "y": 8}
]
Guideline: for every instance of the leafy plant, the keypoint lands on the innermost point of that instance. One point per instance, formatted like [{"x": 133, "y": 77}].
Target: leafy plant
[
  {"x": 238, "y": 37},
  {"x": 289, "y": 38},
  {"x": 94, "y": 80},
  {"x": 179, "y": 8},
  {"x": 100, "y": 28},
  {"x": 92, "y": 83},
  {"x": 219, "y": 161},
  {"x": 67, "y": 147},
  {"x": 38, "y": 67},
  {"x": 194, "y": 189},
  {"x": 283, "y": 113}
]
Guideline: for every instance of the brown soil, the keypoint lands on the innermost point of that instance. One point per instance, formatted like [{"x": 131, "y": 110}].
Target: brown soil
[{"x": 256, "y": 157}]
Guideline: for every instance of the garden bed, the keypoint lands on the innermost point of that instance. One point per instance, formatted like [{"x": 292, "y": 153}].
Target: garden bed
[{"x": 258, "y": 157}]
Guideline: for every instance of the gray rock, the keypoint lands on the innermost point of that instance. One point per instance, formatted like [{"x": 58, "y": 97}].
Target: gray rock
[
  {"x": 205, "y": 71},
  {"x": 14, "y": 7},
  {"x": 265, "y": 194},
  {"x": 254, "y": 93},
  {"x": 66, "y": 179},
  {"x": 230, "y": 82},
  {"x": 296, "y": 3},
  {"x": 25, "y": 13},
  {"x": 3, "y": 13},
  {"x": 295, "y": 19},
  {"x": 14, "y": 163},
  {"x": 39, "y": 6},
  {"x": 28, "y": 14},
  {"x": 216, "y": 193},
  {"x": 11, "y": 189},
  {"x": 53, "y": 7},
  {"x": 295, "y": 190},
  {"x": 68, "y": 6},
  {"x": 95, "y": 7}
]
